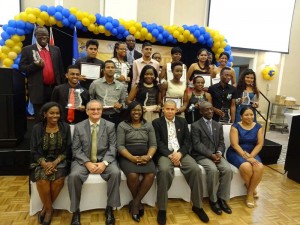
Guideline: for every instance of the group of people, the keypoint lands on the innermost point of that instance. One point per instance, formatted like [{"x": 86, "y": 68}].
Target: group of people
[{"x": 135, "y": 118}]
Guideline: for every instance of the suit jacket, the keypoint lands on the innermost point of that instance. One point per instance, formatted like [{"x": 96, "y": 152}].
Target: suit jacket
[
  {"x": 34, "y": 73},
  {"x": 161, "y": 133},
  {"x": 82, "y": 142},
  {"x": 136, "y": 55},
  {"x": 60, "y": 95},
  {"x": 204, "y": 144}
]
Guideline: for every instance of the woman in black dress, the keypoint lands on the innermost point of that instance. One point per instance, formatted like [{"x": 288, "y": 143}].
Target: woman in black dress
[
  {"x": 136, "y": 145},
  {"x": 50, "y": 152}
]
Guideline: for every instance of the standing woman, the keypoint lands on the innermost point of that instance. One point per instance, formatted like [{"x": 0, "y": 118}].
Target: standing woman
[
  {"x": 51, "y": 154},
  {"x": 223, "y": 59},
  {"x": 175, "y": 88},
  {"x": 147, "y": 93},
  {"x": 122, "y": 66},
  {"x": 198, "y": 95},
  {"x": 136, "y": 144},
  {"x": 246, "y": 139},
  {"x": 247, "y": 93}
]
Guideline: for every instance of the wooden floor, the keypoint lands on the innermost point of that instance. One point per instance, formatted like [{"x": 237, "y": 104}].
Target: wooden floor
[{"x": 278, "y": 203}]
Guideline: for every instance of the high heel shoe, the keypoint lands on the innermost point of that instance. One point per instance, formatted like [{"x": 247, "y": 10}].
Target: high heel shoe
[
  {"x": 41, "y": 217},
  {"x": 49, "y": 221},
  {"x": 141, "y": 210},
  {"x": 134, "y": 210}
]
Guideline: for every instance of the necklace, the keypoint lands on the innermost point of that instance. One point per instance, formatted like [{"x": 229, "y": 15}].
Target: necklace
[
  {"x": 51, "y": 131},
  {"x": 201, "y": 68},
  {"x": 148, "y": 85}
]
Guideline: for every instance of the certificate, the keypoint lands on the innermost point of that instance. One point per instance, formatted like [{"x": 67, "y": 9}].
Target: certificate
[
  {"x": 91, "y": 71},
  {"x": 207, "y": 79},
  {"x": 178, "y": 101},
  {"x": 124, "y": 69}
]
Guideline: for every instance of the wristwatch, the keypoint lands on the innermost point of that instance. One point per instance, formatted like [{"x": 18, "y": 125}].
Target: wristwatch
[{"x": 105, "y": 163}]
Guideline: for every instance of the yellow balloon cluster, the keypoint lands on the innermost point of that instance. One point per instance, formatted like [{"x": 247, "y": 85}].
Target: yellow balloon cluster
[
  {"x": 269, "y": 73},
  {"x": 136, "y": 29},
  {"x": 9, "y": 52},
  {"x": 219, "y": 42}
]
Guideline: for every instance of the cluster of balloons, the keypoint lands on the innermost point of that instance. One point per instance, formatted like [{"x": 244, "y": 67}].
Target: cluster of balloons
[
  {"x": 269, "y": 73},
  {"x": 23, "y": 23}
]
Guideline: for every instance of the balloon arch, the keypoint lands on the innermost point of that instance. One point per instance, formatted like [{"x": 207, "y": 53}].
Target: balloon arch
[{"x": 14, "y": 32}]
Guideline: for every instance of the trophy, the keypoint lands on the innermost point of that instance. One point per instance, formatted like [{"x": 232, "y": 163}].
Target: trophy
[
  {"x": 148, "y": 108},
  {"x": 245, "y": 98},
  {"x": 74, "y": 101},
  {"x": 226, "y": 118},
  {"x": 36, "y": 56}
]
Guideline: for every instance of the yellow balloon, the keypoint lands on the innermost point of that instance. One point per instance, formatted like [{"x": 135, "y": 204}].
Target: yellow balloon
[
  {"x": 217, "y": 44},
  {"x": 73, "y": 10},
  {"x": 15, "y": 38},
  {"x": 85, "y": 14},
  {"x": 91, "y": 27},
  {"x": 149, "y": 36},
  {"x": 17, "y": 17},
  {"x": 0, "y": 54},
  {"x": 137, "y": 35},
  {"x": 122, "y": 21},
  {"x": 153, "y": 40},
  {"x": 12, "y": 55},
  {"x": 22, "y": 38},
  {"x": 40, "y": 22},
  {"x": 9, "y": 43},
  {"x": 29, "y": 10},
  {"x": 180, "y": 38},
  {"x": 127, "y": 25},
  {"x": 180, "y": 29},
  {"x": 31, "y": 18},
  {"x": 176, "y": 34},
  {"x": 20, "y": 44},
  {"x": 44, "y": 15},
  {"x": 23, "y": 16},
  {"x": 16, "y": 49},
  {"x": 138, "y": 26},
  {"x": 107, "y": 33},
  {"x": 96, "y": 31},
  {"x": 52, "y": 20},
  {"x": 79, "y": 15},
  {"x": 144, "y": 31},
  {"x": 59, "y": 24},
  {"x": 8, "y": 62},
  {"x": 191, "y": 37},
  {"x": 5, "y": 49},
  {"x": 220, "y": 50},
  {"x": 265, "y": 71},
  {"x": 101, "y": 29},
  {"x": 92, "y": 18},
  {"x": 36, "y": 11},
  {"x": 3, "y": 56},
  {"x": 217, "y": 56},
  {"x": 186, "y": 33},
  {"x": 85, "y": 21},
  {"x": 142, "y": 38},
  {"x": 132, "y": 30},
  {"x": 223, "y": 44}
]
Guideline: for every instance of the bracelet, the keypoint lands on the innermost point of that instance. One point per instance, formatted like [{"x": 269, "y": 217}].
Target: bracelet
[{"x": 150, "y": 156}]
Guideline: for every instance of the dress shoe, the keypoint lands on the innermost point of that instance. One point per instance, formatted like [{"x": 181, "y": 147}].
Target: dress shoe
[
  {"x": 162, "y": 217},
  {"x": 134, "y": 211},
  {"x": 201, "y": 214},
  {"x": 224, "y": 206},
  {"x": 215, "y": 207},
  {"x": 41, "y": 216},
  {"x": 47, "y": 222},
  {"x": 76, "y": 218},
  {"x": 141, "y": 210},
  {"x": 110, "y": 219}
]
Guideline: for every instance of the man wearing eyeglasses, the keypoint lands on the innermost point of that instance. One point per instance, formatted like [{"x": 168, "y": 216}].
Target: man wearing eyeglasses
[
  {"x": 94, "y": 152},
  {"x": 72, "y": 97}
]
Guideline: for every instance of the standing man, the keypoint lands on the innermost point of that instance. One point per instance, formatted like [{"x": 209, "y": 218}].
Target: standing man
[
  {"x": 131, "y": 55},
  {"x": 94, "y": 152},
  {"x": 208, "y": 148},
  {"x": 44, "y": 69},
  {"x": 139, "y": 64},
  {"x": 223, "y": 97},
  {"x": 110, "y": 93},
  {"x": 173, "y": 144},
  {"x": 91, "y": 50},
  {"x": 68, "y": 93}
]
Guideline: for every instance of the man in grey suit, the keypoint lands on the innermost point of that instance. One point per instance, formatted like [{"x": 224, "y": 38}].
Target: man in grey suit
[
  {"x": 94, "y": 153},
  {"x": 173, "y": 145},
  {"x": 208, "y": 148}
]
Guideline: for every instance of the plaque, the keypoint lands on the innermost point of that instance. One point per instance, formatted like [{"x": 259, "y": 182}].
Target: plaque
[
  {"x": 90, "y": 71},
  {"x": 77, "y": 99},
  {"x": 178, "y": 101},
  {"x": 226, "y": 118}
]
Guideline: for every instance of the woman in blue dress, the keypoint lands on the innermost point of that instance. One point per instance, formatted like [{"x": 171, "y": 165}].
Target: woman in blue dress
[
  {"x": 247, "y": 93},
  {"x": 246, "y": 138}
]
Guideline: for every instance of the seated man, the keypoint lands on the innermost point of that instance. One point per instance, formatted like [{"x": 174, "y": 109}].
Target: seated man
[
  {"x": 173, "y": 144},
  {"x": 68, "y": 94},
  {"x": 208, "y": 148},
  {"x": 94, "y": 151}
]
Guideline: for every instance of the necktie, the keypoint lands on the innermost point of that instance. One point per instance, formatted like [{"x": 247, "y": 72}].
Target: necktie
[
  {"x": 94, "y": 143},
  {"x": 71, "y": 111},
  {"x": 208, "y": 123}
]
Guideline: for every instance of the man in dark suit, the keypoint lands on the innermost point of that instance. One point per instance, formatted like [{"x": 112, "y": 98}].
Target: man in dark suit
[
  {"x": 43, "y": 66},
  {"x": 208, "y": 148},
  {"x": 173, "y": 145},
  {"x": 94, "y": 152},
  {"x": 62, "y": 95},
  {"x": 92, "y": 46}
]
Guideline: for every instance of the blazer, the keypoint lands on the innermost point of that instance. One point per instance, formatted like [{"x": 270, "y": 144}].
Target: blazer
[
  {"x": 136, "y": 55},
  {"x": 82, "y": 142},
  {"x": 161, "y": 133},
  {"x": 34, "y": 73},
  {"x": 204, "y": 145}
]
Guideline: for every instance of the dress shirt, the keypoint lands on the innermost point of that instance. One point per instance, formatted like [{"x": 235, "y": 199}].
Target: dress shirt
[
  {"x": 137, "y": 67},
  {"x": 173, "y": 144}
]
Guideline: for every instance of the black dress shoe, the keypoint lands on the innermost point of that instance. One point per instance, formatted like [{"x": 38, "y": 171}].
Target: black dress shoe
[
  {"x": 41, "y": 217},
  {"x": 201, "y": 214},
  {"x": 224, "y": 206},
  {"x": 76, "y": 218},
  {"x": 215, "y": 207},
  {"x": 110, "y": 219},
  {"x": 162, "y": 217},
  {"x": 141, "y": 210}
]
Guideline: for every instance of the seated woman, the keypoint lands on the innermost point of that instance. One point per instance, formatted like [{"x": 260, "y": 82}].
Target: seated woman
[
  {"x": 136, "y": 145},
  {"x": 147, "y": 93},
  {"x": 176, "y": 89},
  {"x": 247, "y": 93},
  {"x": 198, "y": 95},
  {"x": 51, "y": 153},
  {"x": 246, "y": 138}
]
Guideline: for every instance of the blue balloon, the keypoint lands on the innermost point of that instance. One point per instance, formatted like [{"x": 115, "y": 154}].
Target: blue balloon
[
  {"x": 197, "y": 33},
  {"x": 21, "y": 32},
  {"x": 29, "y": 26},
  {"x": 227, "y": 48},
  {"x": 165, "y": 34},
  {"x": 191, "y": 29},
  {"x": 126, "y": 33},
  {"x": 202, "y": 30},
  {"x": 20, "y": 24},
  {"x": 170, "y": 38},
  {"x": 72, "y": 19},
  {"x": 115, "y": 22},
  {"x": 230, "y": 59},
  {"x": 11, "y": 31},
  {"x": 109, "y": 19},
  {"x": 71, "y": 26},
  {"x": 78, "y": 25},
  {"x": 109, "y": 26},
  {"x": 119, "y": 36},
  {"x": 159, "y": 37},
  {"x": 66, "y": 12},
  {"x": 218, "y": 64},
  {"x": 185, "y": 26},
  {"x": 200, "y": 39},
  {"x": 84, "y": 29},
  {"x": 114, "y": 31},
  {"x": 4, "y": 27},
  {"x": 12, "y": 23},
  {"x": 15, "y": 66},
  {"x": 210, "y": 42},
  {"x": 59, "y": 8},
  {"x": 65, "y": 22},
  {"x": 160, "y": 29},
  {"x": 2, "y": 42},
  {"x": 154, "y": 25},
  {"x": 164, "y": 41},
  {"x": 51, "y": 10},
  {"x": 121, "y": 29},
  {"x": 149, "y": 27},
  {"x": 228, "y": 64},
  {"x": 98, "y": 17},
  {"x": 155, "y": 32},
  {"x": 58, "y": 16},
  {"x": 5, "y": 36},
  {"x": 44, "y": 8},
  {"x": 144, "y": 24},
  {"x": 206, "y": 36},
  {"x": 174, "y": 41},
  {"x": 103, "y": 20}
]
